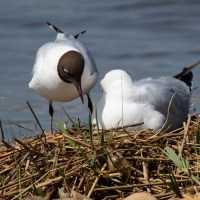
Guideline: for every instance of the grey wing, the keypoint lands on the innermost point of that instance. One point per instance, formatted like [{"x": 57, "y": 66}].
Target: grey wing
[{"x": 164, "y": 94}]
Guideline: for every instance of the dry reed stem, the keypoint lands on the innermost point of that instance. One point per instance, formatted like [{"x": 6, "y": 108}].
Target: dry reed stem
[
  {"x": 96, "y": 180},
  {"x": 185, "y": 134}
]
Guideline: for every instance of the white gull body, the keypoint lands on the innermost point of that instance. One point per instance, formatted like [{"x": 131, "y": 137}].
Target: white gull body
[
  {"x": 152, "y": 101},
  {"x": 45, "y": 79}
]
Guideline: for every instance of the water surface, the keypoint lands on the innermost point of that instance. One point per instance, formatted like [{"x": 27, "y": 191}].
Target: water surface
[{"x": 146, "y": 38}]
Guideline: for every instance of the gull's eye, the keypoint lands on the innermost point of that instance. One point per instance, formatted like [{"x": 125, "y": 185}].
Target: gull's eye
[{"x": 65, "y": 71}]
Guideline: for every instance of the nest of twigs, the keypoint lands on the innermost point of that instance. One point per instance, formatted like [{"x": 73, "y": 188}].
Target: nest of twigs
[{"x": 114, "y": 165}]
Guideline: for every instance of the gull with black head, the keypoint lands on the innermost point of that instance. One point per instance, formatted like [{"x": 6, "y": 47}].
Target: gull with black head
[{"x": 64, "y": 70}]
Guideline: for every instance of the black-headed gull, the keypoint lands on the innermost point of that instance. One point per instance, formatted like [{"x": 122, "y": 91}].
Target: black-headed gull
[
  {"x": 63, "y": 70},
  {"x": 159, "y": 103}
]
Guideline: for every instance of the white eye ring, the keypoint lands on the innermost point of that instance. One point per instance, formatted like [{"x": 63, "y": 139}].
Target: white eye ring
[{"x": 65, "y": 71}]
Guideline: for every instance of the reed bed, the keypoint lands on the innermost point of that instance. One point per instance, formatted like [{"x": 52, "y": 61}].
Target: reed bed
[{"x": 100, "y": 164}]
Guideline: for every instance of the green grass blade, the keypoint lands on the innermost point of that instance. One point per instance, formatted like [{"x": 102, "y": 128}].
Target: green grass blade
[
  {"x": 95, "y": 113},
  {"x": 37, "y": 192},
  {"x": 81, "y": 151},
  {"x": 47, "y": 162},
  {"x": 195, "y": 179},
  {"x": 173, "y": 156},
  {"x": 1, "y": 179},
  {"x": 181, "y": 163},
  {"x": 186, "y": 163},
  {"x": 110, "y": 137},
  {"x": 172, "y": 184},
  {"x": 65, "y": 132},
  {"x": 93, "y": 159},
  {"x": 75, "y": 125},
  {"x": 128, "y": 175},
  {"x": 86, "y": 158},
  {"x": 61, "y": 173}
]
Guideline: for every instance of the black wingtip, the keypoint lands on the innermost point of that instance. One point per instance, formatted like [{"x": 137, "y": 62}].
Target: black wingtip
[
  {"x": 57, "y": 30},
  {"x": 90, "y": 106},
  {"x": 186, "y": 75},
  {"x": 78, "y": 35},
  {"x": 51, "y": 26}
]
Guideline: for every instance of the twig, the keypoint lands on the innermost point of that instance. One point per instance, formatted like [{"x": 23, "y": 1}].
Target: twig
[
  {"x": 134, "y": 185},
  {"x": 13, "y": 123},
  {"x": 27, "y": 148},
  {"x": 127, "y": 126},
  {"x": 145, "y": 172},
  {"x": 81, "y": 182},
  {"x": 168, "y": 113},
  {"x": 75, "y": 140},
  {"x": 96, "y": 181},
  {"x": 35, "y": 117},
  {"x": 8, "y": 145},
  {"x": 17, "y": 182},
  {"x": 49, "y": 182}
]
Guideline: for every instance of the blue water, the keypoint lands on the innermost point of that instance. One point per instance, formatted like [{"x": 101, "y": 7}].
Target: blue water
[{"x": 146, "y": 38}]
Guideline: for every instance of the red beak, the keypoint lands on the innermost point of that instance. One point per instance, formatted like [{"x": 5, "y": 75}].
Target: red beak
[{"x": 79, "y": 89}]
